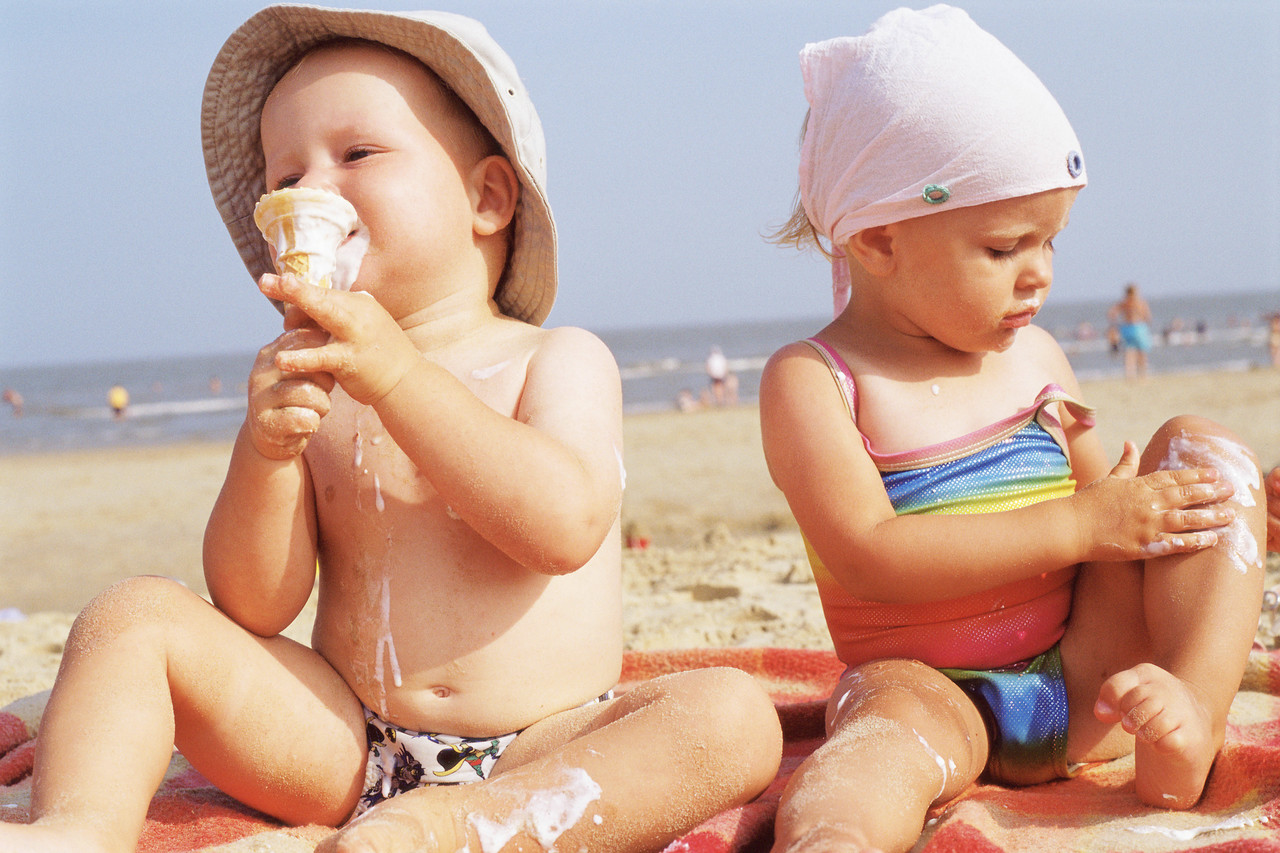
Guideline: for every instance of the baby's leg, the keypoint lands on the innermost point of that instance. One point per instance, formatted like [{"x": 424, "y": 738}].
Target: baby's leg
[
  {"x": 149, "y": 663},
  {"x": 1170, "y": 676},
  {"x": 902, "y": 737},
  {"x": 628, "y": 775}
]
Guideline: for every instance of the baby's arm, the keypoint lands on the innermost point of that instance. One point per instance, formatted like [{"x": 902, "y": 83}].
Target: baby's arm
[
  {"x": 260, "y": 542},
  {"x": 818, "y": 459},
  {"x": 544, "y": 486}
]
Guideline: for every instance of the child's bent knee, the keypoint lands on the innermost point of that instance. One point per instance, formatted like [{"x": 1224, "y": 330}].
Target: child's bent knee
[
  {"x": 737, "y": 699},
  {"x": 901, "y": 686},
  {"x": 730, "y": 705},
  {"x": 132, "y": 603},
  {"x": 1193, "y": 442},
  {"x": 1187, "y": 441}
]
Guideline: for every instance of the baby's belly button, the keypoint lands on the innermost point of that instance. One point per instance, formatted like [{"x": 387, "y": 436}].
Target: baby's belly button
[{"x": 440, "y": 691}]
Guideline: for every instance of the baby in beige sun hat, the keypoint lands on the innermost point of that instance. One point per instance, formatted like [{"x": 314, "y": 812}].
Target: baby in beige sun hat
[{"x": 454, "y": 470}]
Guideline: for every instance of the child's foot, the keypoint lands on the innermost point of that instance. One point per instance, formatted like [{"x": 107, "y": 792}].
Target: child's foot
[
  {"x": 21, "y": 838},
  {"x": 400, "y": 825},
  {"x": 1177, "y": 740},
  {"x": 827, "y": 838}
]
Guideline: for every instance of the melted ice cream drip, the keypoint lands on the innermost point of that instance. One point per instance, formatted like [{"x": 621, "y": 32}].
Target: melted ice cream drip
[
  {"x": 545, "y": 814},
  {"x": 369, "y": 435},
  {"x": 483, "y": 373},
  {"x": 385, "y": 643}
]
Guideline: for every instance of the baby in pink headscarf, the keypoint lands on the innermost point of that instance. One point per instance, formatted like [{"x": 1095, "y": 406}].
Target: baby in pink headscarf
[{"x": 1007, "y": 602}]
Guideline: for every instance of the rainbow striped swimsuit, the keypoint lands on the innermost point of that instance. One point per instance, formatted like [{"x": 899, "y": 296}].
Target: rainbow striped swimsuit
[{"x": 1016, "y": 462}]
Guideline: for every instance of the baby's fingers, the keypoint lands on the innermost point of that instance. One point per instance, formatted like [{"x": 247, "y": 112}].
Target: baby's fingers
[
  {"x": 284, "y": 433},
  {"x": 1127, "y": 467},
  {"x": 316, "y": 360},
  {"x": 290, "y": 423},
  {"x": 1180, "y": 543},
  {"x": 303, "y": 392},
  {"x": 1188, "y": 487},
  {"x": 1200, "y": 518}
]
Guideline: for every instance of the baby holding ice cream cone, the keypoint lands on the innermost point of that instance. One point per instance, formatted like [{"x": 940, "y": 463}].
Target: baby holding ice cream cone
[
  {"x": 454, "y": 469},
  {"x": 1008, "y": 604}
]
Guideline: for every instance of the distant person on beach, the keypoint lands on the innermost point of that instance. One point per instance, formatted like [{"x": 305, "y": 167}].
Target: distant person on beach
[
  {"x": 723, "y": 383},
  {"x": 686, "y": 401},
  {"x": 1131, "y": 317},
  {"x": 455, "y": 471},
  {"x": 1273, "y": 339},
  {"x": 14, "y": 399},
  {"x": 118, "y": 400},
  {"x": 1007, "y": 603}
]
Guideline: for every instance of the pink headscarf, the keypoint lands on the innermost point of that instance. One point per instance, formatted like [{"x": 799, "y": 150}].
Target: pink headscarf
[{"x": 926, "y": 112}]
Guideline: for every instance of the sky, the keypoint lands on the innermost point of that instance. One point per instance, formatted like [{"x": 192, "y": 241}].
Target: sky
[{"x": 672, "y": 130}]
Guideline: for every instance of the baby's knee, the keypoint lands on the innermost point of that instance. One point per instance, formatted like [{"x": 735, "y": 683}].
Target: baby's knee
[
  {"x": 740, "y": 703},
  {"x": 900, "y": 688},
  {"x": 132, "y": 605},
  {"x": 1194, "y": 442},
  {"x": 1191, "y": 441},
  {"x": 914, "y": 702},
  {"x": 729, "y": 710}
]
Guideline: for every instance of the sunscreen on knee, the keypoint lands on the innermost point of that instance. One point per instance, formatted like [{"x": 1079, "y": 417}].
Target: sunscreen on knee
[{"x": 1236, "y": 465}]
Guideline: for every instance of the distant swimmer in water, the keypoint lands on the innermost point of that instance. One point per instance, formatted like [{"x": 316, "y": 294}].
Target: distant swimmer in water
[{"x": 118, "y": 400}]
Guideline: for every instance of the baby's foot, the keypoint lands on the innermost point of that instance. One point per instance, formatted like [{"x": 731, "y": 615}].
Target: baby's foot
[
  {"x": 827, "y": 838},
  {"x": 21, "y": 838},
  {"x": 403, "y": 824},
  {"x": 1177, "y": 740}
]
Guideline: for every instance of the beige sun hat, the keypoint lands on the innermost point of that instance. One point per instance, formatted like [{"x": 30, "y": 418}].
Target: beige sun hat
[{"x": 458, "y": 49}]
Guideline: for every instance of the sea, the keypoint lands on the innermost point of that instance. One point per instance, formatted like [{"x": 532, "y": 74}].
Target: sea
[{"x": 202, "y": 398}]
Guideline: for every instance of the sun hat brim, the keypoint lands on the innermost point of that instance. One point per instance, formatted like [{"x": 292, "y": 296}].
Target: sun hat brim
[{"x": 456, "y": 48}]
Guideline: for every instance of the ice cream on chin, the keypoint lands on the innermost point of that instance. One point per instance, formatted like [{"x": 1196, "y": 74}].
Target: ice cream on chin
[{"x": 314, "y": 233}]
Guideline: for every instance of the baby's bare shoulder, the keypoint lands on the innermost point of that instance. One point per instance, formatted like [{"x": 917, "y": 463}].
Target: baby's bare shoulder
[
  {"x": 572, "y": 380},
  {"x": 568, "y": 357},
  {"x": 563, "y": 347},
  {"x": 1037, "y": 349},
  {"x": 571, "y": 343}
]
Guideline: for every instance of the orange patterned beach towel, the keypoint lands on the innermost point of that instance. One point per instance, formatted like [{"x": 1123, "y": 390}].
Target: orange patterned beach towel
[{"x": 1096, "y": 811}]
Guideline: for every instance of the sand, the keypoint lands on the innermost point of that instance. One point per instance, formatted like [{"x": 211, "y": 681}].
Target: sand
[{"x": 725, "y": 564}]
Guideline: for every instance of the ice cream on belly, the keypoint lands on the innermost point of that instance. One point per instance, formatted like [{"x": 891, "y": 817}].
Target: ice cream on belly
[{"x": 315, "y": 234}]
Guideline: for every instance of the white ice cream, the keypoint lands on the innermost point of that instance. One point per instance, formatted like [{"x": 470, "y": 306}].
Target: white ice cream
[{"x": 315, "y": 234}]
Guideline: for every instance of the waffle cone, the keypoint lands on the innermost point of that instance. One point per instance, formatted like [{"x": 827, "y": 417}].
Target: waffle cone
[{"x": 306, "y": 226}]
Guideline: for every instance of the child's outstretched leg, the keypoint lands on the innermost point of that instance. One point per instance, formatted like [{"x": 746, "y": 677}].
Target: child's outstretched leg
[
  {"x": 901, "y": 737},
  {"x": 1169, "y": 679},
  {"x": 623, "y": 777},
  {"x": 149, "y": 662}
]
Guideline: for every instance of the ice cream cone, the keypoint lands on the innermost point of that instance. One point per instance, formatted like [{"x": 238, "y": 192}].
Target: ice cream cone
[{"x": 306, "y": 226}]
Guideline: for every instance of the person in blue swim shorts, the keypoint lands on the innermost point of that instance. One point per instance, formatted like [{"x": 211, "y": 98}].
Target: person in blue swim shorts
[{"x": 1132, "y": 318}]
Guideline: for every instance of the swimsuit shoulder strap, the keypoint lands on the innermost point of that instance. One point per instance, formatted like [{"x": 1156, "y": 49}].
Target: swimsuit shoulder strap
[
  {"x": 840, "y": 372},
  {"x": 1054, "y": 393},
  {"x": 1050, "y": 394}
]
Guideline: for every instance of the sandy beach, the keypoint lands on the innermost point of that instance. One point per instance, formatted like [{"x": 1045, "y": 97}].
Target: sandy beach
[{"x": 725, "y": 564}]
